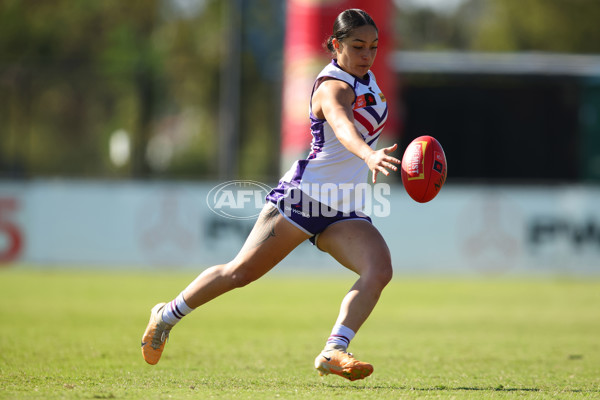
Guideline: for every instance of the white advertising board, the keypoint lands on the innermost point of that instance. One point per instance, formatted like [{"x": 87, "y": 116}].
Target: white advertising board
[{"x": 465, "y": 230}]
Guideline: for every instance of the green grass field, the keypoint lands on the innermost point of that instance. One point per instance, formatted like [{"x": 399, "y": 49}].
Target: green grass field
[{"x": 67, "y": 334}]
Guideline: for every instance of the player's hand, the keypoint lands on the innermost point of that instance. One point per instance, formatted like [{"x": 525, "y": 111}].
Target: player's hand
[{"x": 379, "y": 161}]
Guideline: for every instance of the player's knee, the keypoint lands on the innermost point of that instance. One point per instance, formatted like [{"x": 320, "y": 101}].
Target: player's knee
[
  {"x": 385, "y": 274},
  {"x": 379, "y": 275}
]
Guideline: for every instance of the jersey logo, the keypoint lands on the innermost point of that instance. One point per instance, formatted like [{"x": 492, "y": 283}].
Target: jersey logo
[{"x": 365, "y": 100}]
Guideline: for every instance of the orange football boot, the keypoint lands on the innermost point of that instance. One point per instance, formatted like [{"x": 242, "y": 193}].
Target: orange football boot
[
  {"x": 156, "y": 335},
  {"x": 339, "y": 362}
]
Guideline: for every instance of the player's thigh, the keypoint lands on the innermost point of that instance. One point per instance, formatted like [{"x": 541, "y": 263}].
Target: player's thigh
[
  {"x": 357, "y": 245},
  {"x": 272, "y": 238}
]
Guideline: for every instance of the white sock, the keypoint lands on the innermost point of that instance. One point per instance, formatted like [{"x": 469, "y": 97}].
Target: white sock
[
  {"x": 175, "y": 310},
  {"x": 340, "y": 336}
]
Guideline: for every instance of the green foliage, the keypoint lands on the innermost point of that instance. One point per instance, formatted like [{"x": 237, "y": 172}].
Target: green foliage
[
  {"x": 72, "y": 72},
  {"x": 74, "y": 334},
  {"x": 424, "y": 28},
  {"x": 69, "y": 65},
  {"x": 568, "y": 26}
]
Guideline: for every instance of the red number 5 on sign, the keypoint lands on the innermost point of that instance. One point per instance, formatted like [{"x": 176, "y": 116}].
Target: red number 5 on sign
[{"x": 11, "y": 239}]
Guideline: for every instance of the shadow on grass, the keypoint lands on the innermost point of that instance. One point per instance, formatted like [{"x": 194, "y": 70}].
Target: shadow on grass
[{"x": 499, "y": 388}]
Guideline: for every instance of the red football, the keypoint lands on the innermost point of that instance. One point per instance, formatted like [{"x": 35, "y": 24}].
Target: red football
[{"x": 424, "y": 169}]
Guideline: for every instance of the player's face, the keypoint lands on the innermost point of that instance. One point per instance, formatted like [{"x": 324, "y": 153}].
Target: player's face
[{"x": 356, "y": 53}]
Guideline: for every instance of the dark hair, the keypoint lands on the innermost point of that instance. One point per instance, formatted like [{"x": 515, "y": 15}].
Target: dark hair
[{"x": 346, "y": 22}]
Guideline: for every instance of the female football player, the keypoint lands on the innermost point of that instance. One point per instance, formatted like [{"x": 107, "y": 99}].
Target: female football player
[{"x": 347, "y": 114}]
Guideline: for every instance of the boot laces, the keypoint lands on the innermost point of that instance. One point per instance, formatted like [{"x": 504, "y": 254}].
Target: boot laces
[{"x": 161, "y": 334}]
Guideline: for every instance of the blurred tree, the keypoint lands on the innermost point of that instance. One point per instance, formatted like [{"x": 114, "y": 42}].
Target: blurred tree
[
  {"x": 73, "y": 72},
  {"x": 569, "y": 26},
  {"x": 425, "y": 28},
  {"x": 64, "y": 66}
]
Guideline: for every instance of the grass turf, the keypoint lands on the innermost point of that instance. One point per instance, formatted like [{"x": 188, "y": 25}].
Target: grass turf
[{"x": 68, "y": 334}]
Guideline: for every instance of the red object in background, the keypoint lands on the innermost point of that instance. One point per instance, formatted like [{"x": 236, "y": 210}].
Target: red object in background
[
  {"x": 11, "y": 232},
  {"x": 424, "y": 169},
  {"x": 309, "y": 24}
]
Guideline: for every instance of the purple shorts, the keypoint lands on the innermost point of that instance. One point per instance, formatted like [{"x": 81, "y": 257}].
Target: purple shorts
[{"x": 306, "y": 213}]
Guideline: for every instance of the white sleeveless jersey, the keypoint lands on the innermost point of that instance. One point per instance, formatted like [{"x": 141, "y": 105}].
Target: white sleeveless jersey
[{"x": 331, "y": 174}]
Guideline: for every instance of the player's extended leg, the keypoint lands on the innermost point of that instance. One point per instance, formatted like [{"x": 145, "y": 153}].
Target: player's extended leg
[
  {"x": 271, "y": 239},
  {"x": 358, "y": 246}
]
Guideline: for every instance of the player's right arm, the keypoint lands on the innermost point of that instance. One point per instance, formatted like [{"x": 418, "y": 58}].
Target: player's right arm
[{"x": 333, "y": 101}]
